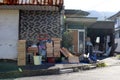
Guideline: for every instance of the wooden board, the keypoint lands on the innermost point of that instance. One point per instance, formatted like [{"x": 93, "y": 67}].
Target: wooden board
[
  {"x": 63, "y": 52},
  {"x": 75, "y": 40}
]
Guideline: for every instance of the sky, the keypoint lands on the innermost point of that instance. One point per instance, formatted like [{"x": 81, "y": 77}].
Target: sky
[{"x": 98, "y": 5}]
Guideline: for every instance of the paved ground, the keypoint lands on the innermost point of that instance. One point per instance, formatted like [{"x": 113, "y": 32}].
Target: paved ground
[
  {"x": 108, "y": 73},
  {"x": 112, "y": 72},
  {"x": 111, "y": 61}
]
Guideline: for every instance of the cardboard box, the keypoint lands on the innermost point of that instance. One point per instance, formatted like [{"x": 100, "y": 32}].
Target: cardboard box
[
  {"x": 22, "y": 41},
  {"x": 57, "y": 50},
  {"x": 57, "y": 46},
  {"x": 32, "y": 49},
  {"x": 21, "y": 62},
  {"x": 57, "y": 42},
  {"x": 21, "y": 55},
  {"x": 50, "y": 55},
  {"x": 21, "y": 52},
  {"x": 49, "y": 51},
  {"x": 49, "y": 44},
  {"x": 57, "y": 54},
  {"x": 73, "y": 59},
  {"x": 56, "y": 39}
]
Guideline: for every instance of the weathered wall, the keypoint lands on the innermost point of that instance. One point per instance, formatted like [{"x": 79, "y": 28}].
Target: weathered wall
[{"x": 34, "y": 22}]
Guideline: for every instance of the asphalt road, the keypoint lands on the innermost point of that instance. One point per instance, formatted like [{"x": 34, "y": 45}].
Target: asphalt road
[{"x": 107, "y": 73}]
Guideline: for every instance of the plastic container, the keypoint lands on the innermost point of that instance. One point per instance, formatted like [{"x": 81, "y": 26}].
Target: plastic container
[
  {"x": 51, "y": 60},
  {"x": 37, "y": 60}
]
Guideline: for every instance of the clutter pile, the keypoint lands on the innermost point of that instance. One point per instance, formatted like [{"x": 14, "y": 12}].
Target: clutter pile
[{"x": 47, "y": 50}]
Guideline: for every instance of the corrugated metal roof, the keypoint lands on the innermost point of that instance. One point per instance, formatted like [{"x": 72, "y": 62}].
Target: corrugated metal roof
[
  {"x": 33, "y": 2},
  {"x": 49, "y": 5},
  {"x": 113, "y": 17},
  {"x": 76, "y": 12},
  {"x": 29, "y": 7}
]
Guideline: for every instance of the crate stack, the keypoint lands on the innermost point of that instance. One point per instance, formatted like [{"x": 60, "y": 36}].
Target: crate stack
[
  {"x": 56, "y": 49},
  {"x": 49, "y": 49},
  {"x": 21, "y": 52}
]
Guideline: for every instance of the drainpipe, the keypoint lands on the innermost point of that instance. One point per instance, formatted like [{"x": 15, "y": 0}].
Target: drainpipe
[{"x": 61, "y": 21}]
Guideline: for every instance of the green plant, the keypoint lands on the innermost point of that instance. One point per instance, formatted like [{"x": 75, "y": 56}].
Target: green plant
[
  {"x": 118, "y": 56},
  {"x": 101, "y": 64},
  {"x": 67, "y": 40}
]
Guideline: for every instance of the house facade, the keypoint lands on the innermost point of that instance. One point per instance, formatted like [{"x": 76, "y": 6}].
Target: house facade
[
  {"x": 83, "y": 26},
  {"x": 77, "y": 23},
  {"x": 116, "y": 19},
  {"x": 25, "y": 20}
]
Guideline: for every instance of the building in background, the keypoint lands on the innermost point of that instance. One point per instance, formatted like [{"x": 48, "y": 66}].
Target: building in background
[
  {"x": 82, "y": 26},
  {"x": 116, "y": 19}
]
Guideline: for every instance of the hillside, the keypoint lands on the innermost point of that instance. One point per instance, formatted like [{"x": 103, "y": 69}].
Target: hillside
[{"x": 100, "y": 15}]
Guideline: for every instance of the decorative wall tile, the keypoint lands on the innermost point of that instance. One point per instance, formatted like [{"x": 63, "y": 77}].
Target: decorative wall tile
[{"x": 34, "y": 22}]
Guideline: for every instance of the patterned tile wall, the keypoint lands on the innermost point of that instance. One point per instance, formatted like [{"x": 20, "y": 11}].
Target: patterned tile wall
[{"x": 34, "y": 22}]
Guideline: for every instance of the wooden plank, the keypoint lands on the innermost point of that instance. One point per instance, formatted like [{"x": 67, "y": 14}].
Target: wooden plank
[
  {"x": 67, "y": 52},
  {"x": 63, "y": 52},
  {"x": 75, "y": 40}
]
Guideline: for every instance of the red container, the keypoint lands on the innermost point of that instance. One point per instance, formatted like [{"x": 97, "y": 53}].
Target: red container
[{"x": 51, "y": 60}]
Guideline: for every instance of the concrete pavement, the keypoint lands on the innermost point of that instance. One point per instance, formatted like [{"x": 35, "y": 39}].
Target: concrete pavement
[{"x": 63, "y": 68}]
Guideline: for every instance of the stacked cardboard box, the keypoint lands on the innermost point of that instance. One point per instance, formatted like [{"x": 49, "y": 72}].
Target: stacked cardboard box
[
  {"x": 73, "y": 59},
  {"x": 33, "y": 50},
  {"x": 21, "y": 52},
  {"x": 49, "y": 49},
  {"x": 56, "y": 47}
]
